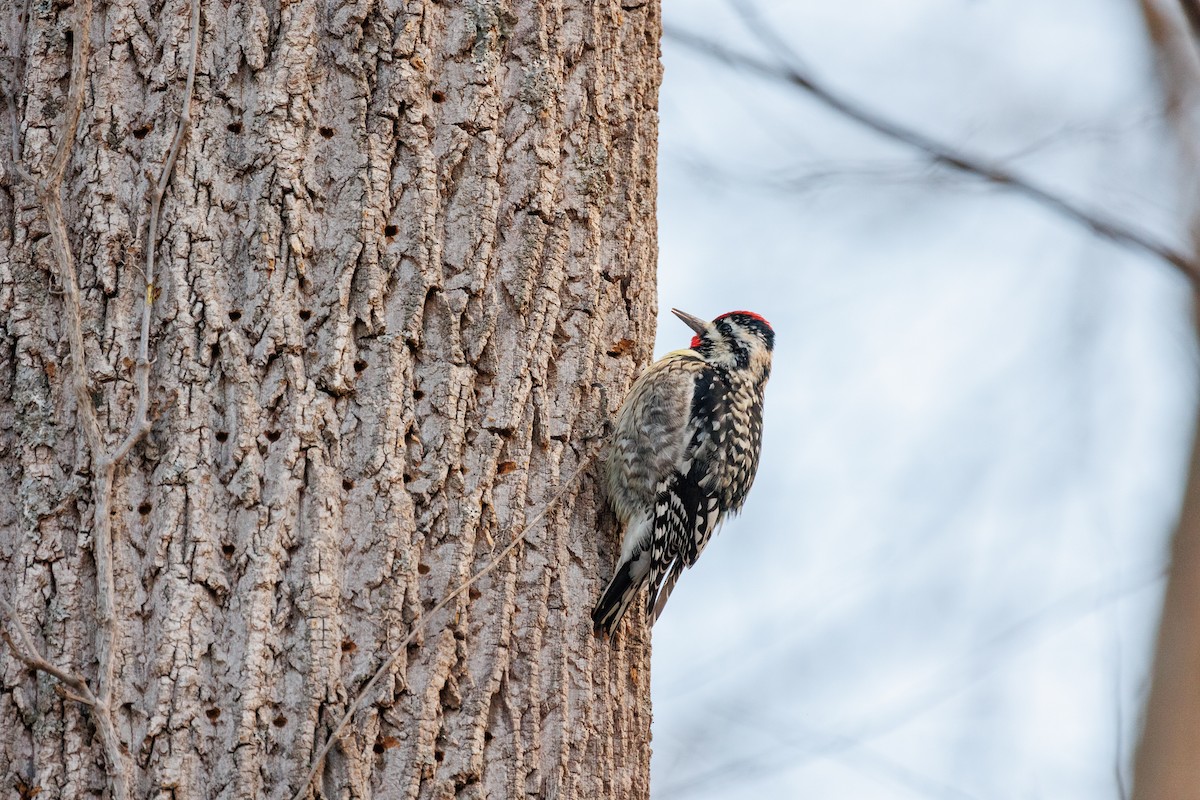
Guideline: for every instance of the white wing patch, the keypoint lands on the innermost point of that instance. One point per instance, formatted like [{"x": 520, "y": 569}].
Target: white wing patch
[{"x": 685, "y": 516}]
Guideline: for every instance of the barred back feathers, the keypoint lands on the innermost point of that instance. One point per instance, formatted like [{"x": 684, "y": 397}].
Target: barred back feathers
[{"x": 683, "y": 455}]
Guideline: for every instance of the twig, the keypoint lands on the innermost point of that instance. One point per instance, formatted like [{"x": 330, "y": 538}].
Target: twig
[
  {"x": 158, "y": 187},
  {"x": 49, "y": 191},
  {"x": 1191, "y": 8},
  {"x": 26, "y": 652},
  {"x": 1179, "y": 68},
  {"x": 423, "y": 620},
  {"x": 953, "y": 677},
  {"x": 81, "y": 50},
  {"x": 937, "y": 152}
]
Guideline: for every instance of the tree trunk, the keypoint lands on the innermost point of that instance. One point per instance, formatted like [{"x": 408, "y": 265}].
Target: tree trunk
[
  {"x": 1167, "y": 765},
  {"x": 406, "y": 275},
  {"x": 1167, "y": 762}
]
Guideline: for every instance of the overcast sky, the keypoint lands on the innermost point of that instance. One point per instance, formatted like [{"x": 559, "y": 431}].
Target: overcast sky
[{"x": 946, "y": 579}]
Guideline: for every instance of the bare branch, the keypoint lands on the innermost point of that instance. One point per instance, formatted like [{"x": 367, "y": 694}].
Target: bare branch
[
  {"x": 82, "y": 42},
  {"x": 27, "y": 653},
  {"x": 789, "y": 71},
  {"x": 952, "y": 678},
  {"x": 141, "y": 418},
  {"x": 49, "y": 192},
  {"x": 1192, "y": 9},
  {"x": 1179, "y": 68}
]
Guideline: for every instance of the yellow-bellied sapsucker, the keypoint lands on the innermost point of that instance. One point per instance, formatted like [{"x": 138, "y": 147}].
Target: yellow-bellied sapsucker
[{"x": 683, "y": 455}]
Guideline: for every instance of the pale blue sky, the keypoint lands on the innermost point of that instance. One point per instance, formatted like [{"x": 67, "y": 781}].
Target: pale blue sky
[{"x": 945, "y": 581}]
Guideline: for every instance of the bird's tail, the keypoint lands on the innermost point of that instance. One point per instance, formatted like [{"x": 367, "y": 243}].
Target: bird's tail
[
  {"x": 658, "y": 599},
  {"x": 617, "y": 599}
]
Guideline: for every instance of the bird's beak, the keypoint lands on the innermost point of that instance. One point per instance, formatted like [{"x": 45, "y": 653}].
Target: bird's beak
[{"x": 695, "y": 323}]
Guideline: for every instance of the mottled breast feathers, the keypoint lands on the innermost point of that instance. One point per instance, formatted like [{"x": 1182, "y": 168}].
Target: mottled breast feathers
[
  {"x": 684, "y": 454},
  {"x": 700, "y": 459}
]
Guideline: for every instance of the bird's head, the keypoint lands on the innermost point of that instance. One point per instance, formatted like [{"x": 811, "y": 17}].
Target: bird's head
[{"x": 735, "y": 340}]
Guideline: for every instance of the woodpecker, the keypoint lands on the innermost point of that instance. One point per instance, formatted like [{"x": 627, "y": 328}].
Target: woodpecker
[{"x": 683, "y": 455}]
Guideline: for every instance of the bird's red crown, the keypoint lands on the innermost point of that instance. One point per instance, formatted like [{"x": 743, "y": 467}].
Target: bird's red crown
[
  {"x": 696, "y": 339},
  {"x": 750, "y": 314}
]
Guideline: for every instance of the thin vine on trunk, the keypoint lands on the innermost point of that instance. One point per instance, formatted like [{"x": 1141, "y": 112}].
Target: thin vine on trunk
[{"x": 279, "y": 436}]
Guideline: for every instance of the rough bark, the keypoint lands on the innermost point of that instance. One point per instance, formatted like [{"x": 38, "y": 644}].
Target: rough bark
[{"x": 406, "y": 272}]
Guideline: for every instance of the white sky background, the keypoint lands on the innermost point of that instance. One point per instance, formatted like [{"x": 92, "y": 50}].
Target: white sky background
[{"x": 946, "y": 581}]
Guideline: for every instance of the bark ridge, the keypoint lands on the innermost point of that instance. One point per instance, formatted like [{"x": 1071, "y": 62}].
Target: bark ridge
[{"x": 406, "y": 275}]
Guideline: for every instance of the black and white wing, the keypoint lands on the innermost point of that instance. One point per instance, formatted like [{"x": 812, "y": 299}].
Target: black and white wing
[{"x": 688, "y": 504}]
